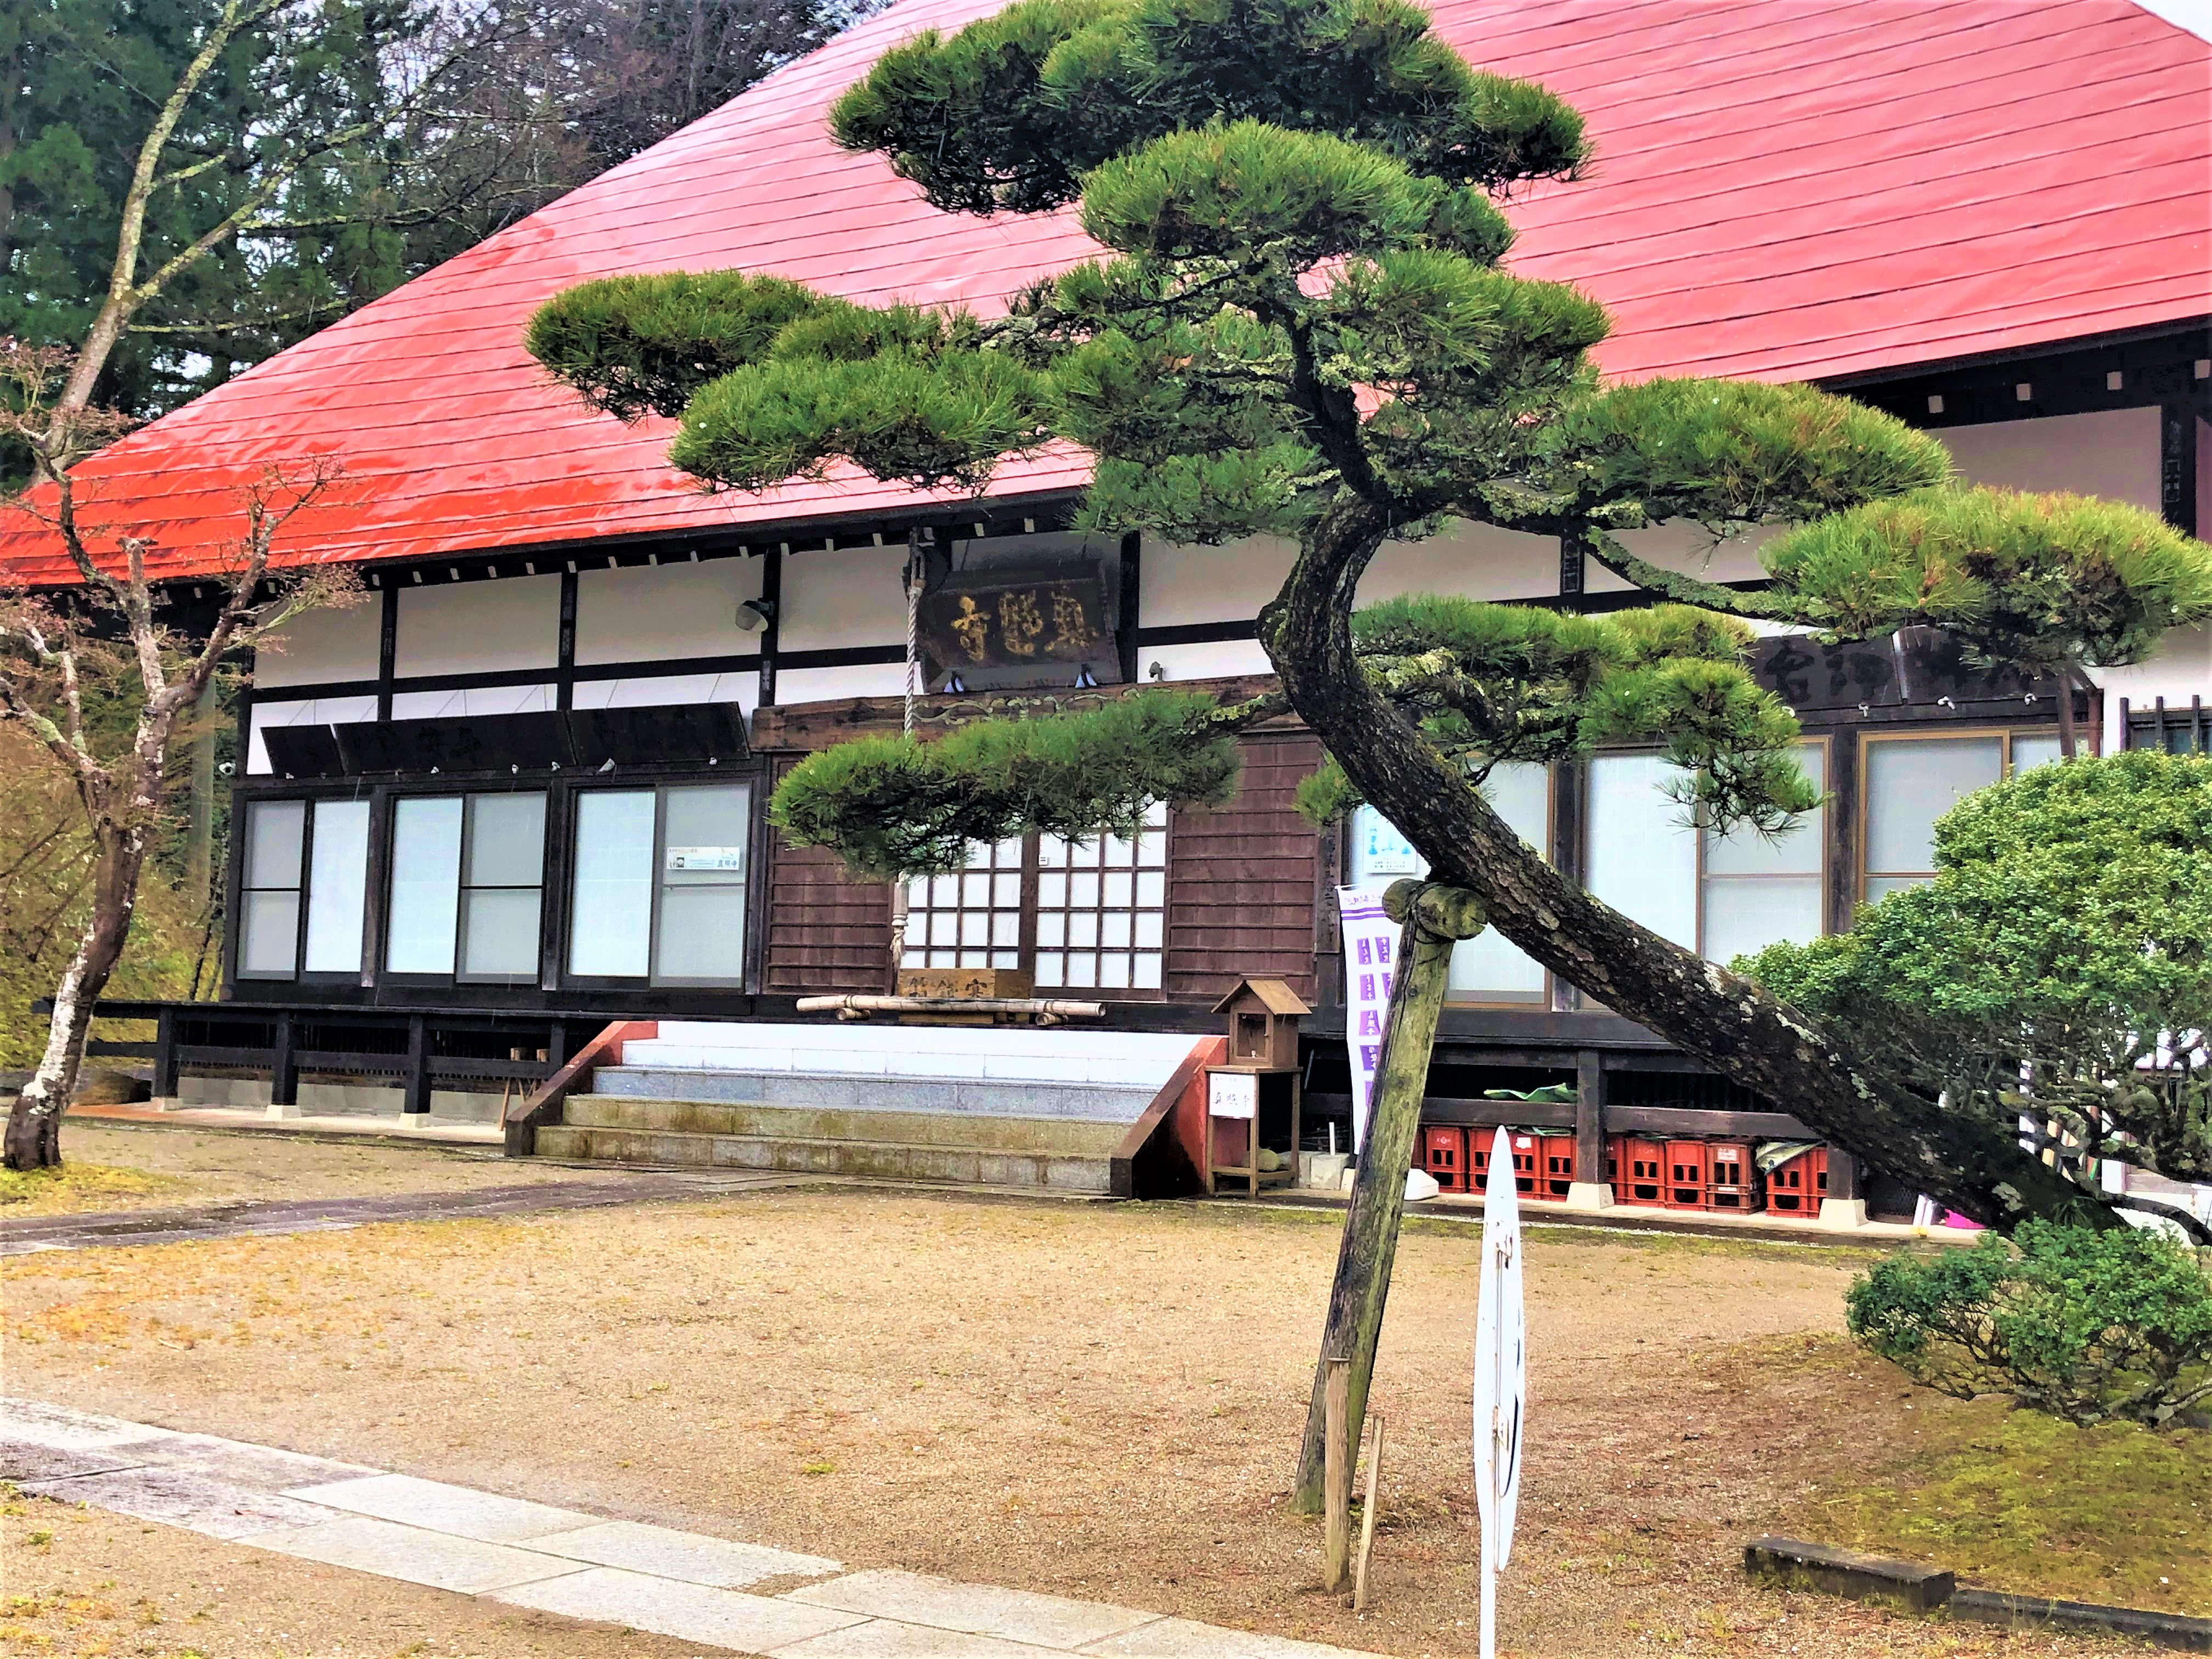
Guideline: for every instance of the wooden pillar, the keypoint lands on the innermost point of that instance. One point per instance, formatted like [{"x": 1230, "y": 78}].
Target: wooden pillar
[
  {"x": 417, "y": 1087},
  {"x": 564, "y": 666},
  {"x": 284, "y": 1063},
  {"x": 1843, "y": 1174},
  {"x": 1126, "y": 622},
  {"x": 2177, "y": 467},
  {"x": 165, "y": 1055},
  {"x": 387, "y": 651},
  {"x": 1589, "y": 1129},
  {"x": 772, "y": 629}
]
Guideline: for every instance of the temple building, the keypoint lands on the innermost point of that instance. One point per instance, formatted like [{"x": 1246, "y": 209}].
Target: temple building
[{"x": 518, "y": 793}]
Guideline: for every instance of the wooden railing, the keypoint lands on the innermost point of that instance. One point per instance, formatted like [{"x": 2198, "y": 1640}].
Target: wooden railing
[{"x": 524, "y": 1117}]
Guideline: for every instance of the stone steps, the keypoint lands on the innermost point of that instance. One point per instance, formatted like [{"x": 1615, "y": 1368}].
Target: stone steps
[
  {"x": 1005, "y": 1097},
  {"x": 882, "y": 1160},
  {"x": 1072, "y": 1136}
]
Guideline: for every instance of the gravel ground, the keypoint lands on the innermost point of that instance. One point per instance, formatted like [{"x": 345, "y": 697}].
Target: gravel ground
[
  {"x": 105, "y": 1585},
  {"x": 199, "y": 1166},
  {"x": 1097, "y": 1403}
]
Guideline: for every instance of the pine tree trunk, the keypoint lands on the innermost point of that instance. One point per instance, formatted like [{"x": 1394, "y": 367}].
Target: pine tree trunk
[
  {"x": 34, "y": 1139},
  {"x": 1742, "y": 1032},
  {"x": 1436, "y": 920}
]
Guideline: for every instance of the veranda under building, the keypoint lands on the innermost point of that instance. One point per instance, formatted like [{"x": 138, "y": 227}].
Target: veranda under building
[{"x": 519, "y": 794}]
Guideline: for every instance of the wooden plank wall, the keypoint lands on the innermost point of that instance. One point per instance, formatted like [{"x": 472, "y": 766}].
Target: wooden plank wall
[
  {"x": 825, "y": 931},
  {"x": 1242, "y": 881}
]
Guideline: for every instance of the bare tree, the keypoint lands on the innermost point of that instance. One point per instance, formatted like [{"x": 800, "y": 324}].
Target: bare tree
[{"x": 114, "y": 626}]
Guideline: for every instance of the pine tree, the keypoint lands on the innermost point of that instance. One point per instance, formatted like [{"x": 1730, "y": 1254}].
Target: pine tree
[{"x": 1302, "y": 326}]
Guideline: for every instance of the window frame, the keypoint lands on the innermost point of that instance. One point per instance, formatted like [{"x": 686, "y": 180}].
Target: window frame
[
  {"x": 1541, "y": 1001},
  {"x": 1031, "y": 869},
  {"x": 1861, "y": 875},
  {"x": 1831, "y": 797},
  {"x": 383, "y": 825},
  {"x": 371, "y": 914},
  {"x": 558, "y": 934}
]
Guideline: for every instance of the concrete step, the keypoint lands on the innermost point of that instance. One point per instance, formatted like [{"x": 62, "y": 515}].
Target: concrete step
[
  {"x": 976, "y": 1166},
  {"x": 1073, "y": 1136},
  {"x": 1071, "y": 1053},
  {"x": 1110, "y": 1102}
]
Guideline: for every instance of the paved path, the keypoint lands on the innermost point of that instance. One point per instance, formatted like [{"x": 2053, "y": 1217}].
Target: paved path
[
  {"x": 684, "y": 1585},
  {"x": 78, "y": 1232}
]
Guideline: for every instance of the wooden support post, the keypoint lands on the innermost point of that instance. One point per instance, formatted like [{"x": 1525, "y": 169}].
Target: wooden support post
[
  {"x": 165, "y": 1055},
  {"x": 1590, "y": 1189},
  {"x": 1843, "y": 1174},
  {"x": 1336, "y": 1549},
  {"x": 418, "y": 1097},
  {"x": 284, "y": 1066},
  {"x": 1367, "y": 1520},
  {"x": 1435, "y": 918}
]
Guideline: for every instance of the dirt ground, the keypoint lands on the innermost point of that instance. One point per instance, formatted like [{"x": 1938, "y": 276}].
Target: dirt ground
[
  {"x": 1094, "y": 1401},
  {"x": 97, "y": 1583},
  {"x": 161, "y": 1167}
]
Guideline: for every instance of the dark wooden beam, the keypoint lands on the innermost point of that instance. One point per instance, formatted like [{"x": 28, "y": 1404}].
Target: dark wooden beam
[
  {"x": 417, "y": 1075},
  {"x": 2177, "y": 465},
  {"x": 772, "y": 629}
]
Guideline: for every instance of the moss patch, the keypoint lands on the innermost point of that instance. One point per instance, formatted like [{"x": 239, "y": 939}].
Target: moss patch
[
  {"x": 2014, "y": 1501},
  {"x": 76, "y": 1187}
]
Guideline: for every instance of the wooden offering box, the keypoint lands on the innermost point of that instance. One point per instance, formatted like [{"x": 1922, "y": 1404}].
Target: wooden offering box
[{"x": 1252, "y": 1102}]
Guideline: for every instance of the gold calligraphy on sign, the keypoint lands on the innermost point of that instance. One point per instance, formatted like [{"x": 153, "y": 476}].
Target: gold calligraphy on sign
[
  {"x": 973, "y": 629},
  {"x": 1016, "y": 623},
  {"x": 1019, "y": 623}
]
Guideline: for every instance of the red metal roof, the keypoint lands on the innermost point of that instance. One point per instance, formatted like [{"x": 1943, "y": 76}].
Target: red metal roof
[{"x": 1784, "y": 189}]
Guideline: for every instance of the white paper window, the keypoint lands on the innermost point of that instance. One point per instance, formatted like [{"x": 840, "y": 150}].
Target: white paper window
[
  {"x": 1908, "y": 784},
  {"x": 337, "y": 886},
  {"x": 501, "y": 893},
  {"x": 700, "y": 924},
  {"x": 611, "y": 908},
  {"x": 268, "y": 920},
  {"x": 1757, "y": 889},
  {"x": 1103, "y": 906},
  {"x": 1488, "y": 967},
  {"x": 426, "y": 884},
  {"x": 972, "y": 919},
  {"x": 1641, "y": 851}
]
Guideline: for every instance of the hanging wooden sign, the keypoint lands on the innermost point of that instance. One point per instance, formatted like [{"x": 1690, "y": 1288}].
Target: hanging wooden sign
[{"x": 1005, "y": 620}]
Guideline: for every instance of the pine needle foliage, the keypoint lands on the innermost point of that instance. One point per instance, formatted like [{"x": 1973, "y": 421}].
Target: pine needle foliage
[{"x": 891, "y": 807}]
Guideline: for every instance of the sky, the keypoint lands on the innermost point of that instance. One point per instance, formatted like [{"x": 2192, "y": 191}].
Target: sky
[{"x": 2195, "y": 16}]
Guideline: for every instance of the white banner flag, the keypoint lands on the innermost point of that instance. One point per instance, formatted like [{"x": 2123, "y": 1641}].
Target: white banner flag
[
  {"x": 1501, "y": 1378},
  {"x": 1371, "y": 943}
]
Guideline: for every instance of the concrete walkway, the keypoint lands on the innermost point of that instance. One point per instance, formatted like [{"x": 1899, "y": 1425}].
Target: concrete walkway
[
  {"x": 684, "y": 1585},
  {"x": 270, "y": 1216},
  {"x": 400, "y": 1128}
]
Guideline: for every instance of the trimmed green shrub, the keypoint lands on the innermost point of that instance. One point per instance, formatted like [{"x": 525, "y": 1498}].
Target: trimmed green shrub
[{"x": 2091, "y": 1326}]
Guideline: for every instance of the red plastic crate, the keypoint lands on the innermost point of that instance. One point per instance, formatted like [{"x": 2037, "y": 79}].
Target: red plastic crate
[
  {"x": 1558, "y": 1153},
  {"x": 1689, "y": 1174},
  {"x": 1527, "y": 1164},
  {"x": 1444, "y": 1155},
  {"x": 1797, "y": 1186},
  {"x": 1643, "y": 1167},
  {"x": 1736, "y": 1184}
]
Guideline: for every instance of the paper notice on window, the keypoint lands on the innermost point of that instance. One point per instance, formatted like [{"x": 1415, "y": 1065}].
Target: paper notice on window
[{"x": 706, "y": 858}]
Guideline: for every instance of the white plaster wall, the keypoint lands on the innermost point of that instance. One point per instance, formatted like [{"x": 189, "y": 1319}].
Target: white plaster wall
[
  {"x": 796, "y": 685},
  {"x": 1183, "y": 585},
  {"x": 665, "y": 690},
  {"x": 849, "y": 596},
  {"x": 479, "y": 627},
  {"x": 2113, "y": 453},
  {"x": 319, "y": 647},
  {"x": 1473, "y": 561},
  {"x": 311, "y": 711},
  {"x": 1218, "y": 660},
  {"x": 650, "y": 613},
  {"x": 2180, "y": 669},
  {"x": 477, "y": 699},
  {"x": 1683, "y": 545}
]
